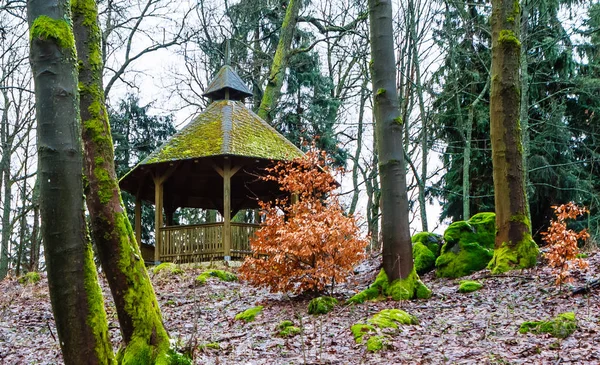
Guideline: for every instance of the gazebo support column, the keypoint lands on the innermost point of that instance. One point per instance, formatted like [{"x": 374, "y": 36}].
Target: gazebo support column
[
  {"x": 158, "y": 217},
  {"x": 227, "y": 210}
]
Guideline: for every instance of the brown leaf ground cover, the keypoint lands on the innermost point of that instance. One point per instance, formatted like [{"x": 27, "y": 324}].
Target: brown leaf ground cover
[{"x": 455, "y": 328}]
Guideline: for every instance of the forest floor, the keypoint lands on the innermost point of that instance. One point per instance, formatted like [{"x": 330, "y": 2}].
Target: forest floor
[{"x": 454, "y": 328}]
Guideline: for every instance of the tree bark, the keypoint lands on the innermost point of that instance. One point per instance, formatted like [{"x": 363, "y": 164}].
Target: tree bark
[
  {"x": 75, "y": 295},
  {"x": 514, "y": 247},
  {"x": 280, "y": 60},
  {"x": 137, "y": 308},
  {"x": 397, "y": 248},
  {"x": 6, "y": 185}
]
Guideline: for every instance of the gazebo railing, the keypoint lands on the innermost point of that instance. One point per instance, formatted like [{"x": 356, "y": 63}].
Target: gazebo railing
[{"x": 204, "y": 242}]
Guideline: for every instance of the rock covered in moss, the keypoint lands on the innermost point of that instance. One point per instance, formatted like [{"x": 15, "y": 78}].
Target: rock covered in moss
[
  {"x": 321, "y": 305},
  {"x": 287, "y": 329},
  {"x": 31, "y": 277},
  {"x": 402, "y": 289},
  {"x": 468, "y": 286},
  {"x": 376, "y": 343},
  {"x": 468, "y": 246},
  {"x": 220, "y": 274},
  {"x": 167, "y": 267},
  {"x": 249, "y": 314},
  {"x": 209, "y": 346},
  {"x": 426, "y": 249},
  {"x": 562, "y": 326}
]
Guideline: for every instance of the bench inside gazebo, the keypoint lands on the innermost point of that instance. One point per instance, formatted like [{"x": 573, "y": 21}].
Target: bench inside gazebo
[{"x": 214, "y": 162}]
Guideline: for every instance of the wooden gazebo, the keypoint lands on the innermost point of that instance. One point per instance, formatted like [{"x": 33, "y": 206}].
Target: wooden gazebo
[{"x": 212, "y": 163}]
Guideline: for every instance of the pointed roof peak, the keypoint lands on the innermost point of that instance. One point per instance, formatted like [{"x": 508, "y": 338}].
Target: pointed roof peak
[{"x": 227, "y": 84}]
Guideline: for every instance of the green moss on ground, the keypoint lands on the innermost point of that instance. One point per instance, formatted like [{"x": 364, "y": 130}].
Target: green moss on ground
[
  {"x": 249, "y": 314},
  {"x": 209, "y": 346},
  {"x": 220, "y": 274},
  {"x": 402, "y": 289},
  {"x": 562, "y": 326},
  {"x": 376, "y": 343},
  {"x": 167, "y": 267},
  {"x": 31, "y": 277},
  {"x": 321, "y": 305},
  {"x": 287, "y": 329},
  {"x": 390, "y": 318},
  {"x": 468, "y": 247},
  {"x": 467, "y": 286},
  {"x": 359, "y": 330}
]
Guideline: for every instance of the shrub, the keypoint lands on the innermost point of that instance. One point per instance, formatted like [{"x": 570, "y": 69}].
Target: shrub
[
  {"x": 307, "y": 245},
  {"x": 563, "y": 252}
]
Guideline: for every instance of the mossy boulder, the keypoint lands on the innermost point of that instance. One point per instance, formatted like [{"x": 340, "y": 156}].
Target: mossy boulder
[
  {"x": 220, "y": 274},
  {"x": 359, "y": 330},
  {"x": 321, "y": 305},
  {"x": 560, "y": 327},
  {"x": 249, "y": 314},
  {"x": 376, "y": 343},
  {"x": 468, "y": 286},
  {"x": 402, "y": 289},
  {"x": 468, "y": 246},
  {"x": 31, "y": 277},
  {"x": 167, "y": 267},
  {"x": 287, "y": 329},
  {"x": 426, "y": 248}
]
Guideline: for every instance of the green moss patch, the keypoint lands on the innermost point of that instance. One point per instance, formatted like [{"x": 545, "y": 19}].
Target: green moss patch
[
  {"x": 468, "y": 247},
  {"x": 220, "y": 274},
  {"x": 426, "y": 249},
  {"x": 387, "y": 319},
  {"x": 402, "y": 289},
  {"x": 31, "y": 277},
  {"x": 321, "y": 305},
  {"x": 287, "y": 329},
  {"x": 209, "y": 346},
  {"x": 167, "y": 267},
  {"x": 390, "y": 318},
  {"x": 562, "y": 326},
  {"x": 467, "y": 286},
  {"x": 249, "y": 314},
  {"x": 59, "y": 30}
]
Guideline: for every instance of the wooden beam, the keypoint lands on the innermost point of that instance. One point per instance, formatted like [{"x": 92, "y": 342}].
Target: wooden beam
[
  {"x": 158, "y": 217},
  {"x": 227, "y": 209}
]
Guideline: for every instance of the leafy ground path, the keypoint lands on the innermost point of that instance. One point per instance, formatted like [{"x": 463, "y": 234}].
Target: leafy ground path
[{"x": 476, "y": 328}]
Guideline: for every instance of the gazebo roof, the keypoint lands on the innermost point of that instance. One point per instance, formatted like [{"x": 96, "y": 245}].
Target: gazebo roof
[
  {"x": 227, "y": 80},
  {"x": 226, "y": 127}
]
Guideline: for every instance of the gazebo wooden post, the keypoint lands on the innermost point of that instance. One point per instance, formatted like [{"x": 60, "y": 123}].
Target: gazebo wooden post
[
  {"x": 158, "y": 217},
  {"x": 227, "y": 209},
  {"x": 138, "y": 221}
]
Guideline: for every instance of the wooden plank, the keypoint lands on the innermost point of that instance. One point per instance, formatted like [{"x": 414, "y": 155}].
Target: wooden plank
[
  {"x": 158, "y": 202},
  {"x": 138, "y": 220},
  {"x": 227, "y": 209}
]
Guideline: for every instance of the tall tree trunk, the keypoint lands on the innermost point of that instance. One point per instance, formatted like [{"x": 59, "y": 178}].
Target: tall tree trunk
[
  {"x": 34, "y": 255},
  {"x": 524, "y": 111},
  {"x": 75, "y": 295},
  {"x": 397, "y": 248},
  {"x": 280, "y": 60},
  {"x": 137, "y": 308},
  {"x": 514, "y": 247},
  {"x": 359, "y": 142},
  {"x": 5, "y": 185}
]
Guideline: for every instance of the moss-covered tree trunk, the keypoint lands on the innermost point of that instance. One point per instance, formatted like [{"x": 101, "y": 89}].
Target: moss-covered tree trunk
[
  {"x": 140, "y": 318},
  {"x": 397, "y": 248},
  {"x": 280, "y": 61},
  {"x": 514, "y": 247},
  {"x": 75, "y": 295}
]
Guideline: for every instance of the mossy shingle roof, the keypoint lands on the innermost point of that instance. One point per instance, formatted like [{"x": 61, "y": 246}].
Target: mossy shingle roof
[{"x": 226, "y": 127}]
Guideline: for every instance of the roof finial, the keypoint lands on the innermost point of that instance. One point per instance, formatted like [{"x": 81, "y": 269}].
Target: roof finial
[{"x": 227, "y": 52}]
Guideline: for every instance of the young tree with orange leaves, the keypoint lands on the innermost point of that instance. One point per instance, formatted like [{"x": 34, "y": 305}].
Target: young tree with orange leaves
[
  {"x": 563, "y": 251},
  {"x": 309, "y": 244}
]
